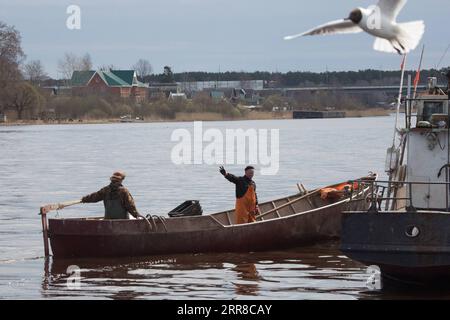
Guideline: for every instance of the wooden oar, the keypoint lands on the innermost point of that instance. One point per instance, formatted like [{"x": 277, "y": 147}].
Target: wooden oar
[
  {"x": 58, "y": 206},
  {"x": 287, "y": 204}
]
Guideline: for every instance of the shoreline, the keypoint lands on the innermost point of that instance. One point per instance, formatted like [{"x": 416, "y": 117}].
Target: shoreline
[{"x": 190, "y": 117}]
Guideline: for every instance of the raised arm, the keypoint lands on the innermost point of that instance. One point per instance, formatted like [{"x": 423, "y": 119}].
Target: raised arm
[
  {"x": 230, "y": 177},
  {"x": 94, "y": 197}
]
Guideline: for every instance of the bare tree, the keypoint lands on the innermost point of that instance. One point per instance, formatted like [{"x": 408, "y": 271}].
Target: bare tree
[
  {"x": 86, "y": 62},
  {"x": 11, "y": 55},
  {"x": 143, "y": 68},
  {"x": 107, "y": 67},
  {"x": 71, "y": 62},
  {"x": 67, "y": 65},
  {"x": 10, "y": 48},
  {"x": 34, "y": 71}
]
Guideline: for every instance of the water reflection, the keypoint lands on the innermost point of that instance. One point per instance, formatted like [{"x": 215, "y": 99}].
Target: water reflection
[
  {"x": 316, "y": 272},
  {"x": 273, "y": 275},
  {"x": 46, "y": 277},
  {"x": 248, "y": 278}
]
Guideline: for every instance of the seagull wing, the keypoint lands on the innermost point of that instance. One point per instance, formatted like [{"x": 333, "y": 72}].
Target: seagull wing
[
  {"x": 391, "y": 8},
  {"x": 333, "y": 27}
]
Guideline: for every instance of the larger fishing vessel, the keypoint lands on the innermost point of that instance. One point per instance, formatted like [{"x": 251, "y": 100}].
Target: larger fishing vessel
[{"x": 406, "y": 231}]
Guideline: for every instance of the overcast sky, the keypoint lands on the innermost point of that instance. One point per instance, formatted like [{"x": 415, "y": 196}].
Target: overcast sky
[{"x": 208, "y": 35}]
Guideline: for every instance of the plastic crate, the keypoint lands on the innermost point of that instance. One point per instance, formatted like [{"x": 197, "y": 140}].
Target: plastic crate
[{"x": 187, "y": 209}]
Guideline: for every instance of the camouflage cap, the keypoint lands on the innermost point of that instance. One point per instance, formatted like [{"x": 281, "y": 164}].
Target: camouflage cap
[{"x": 118, "y": 176}]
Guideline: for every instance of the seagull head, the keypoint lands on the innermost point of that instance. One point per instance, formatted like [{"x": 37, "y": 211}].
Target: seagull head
[{"x": 355, "y": 16}]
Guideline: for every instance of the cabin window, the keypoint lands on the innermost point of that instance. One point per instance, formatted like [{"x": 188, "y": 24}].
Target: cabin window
[{"x": 430, "y": 108}]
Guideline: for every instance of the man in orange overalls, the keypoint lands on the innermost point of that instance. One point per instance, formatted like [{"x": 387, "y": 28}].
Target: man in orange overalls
[{"x": 246, "y": 198}]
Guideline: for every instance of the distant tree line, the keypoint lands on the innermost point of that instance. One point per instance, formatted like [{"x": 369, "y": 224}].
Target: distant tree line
[{"x": 303, "y": 78}]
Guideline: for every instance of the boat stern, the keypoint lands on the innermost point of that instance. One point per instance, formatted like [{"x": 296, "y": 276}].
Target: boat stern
[{"x": 411, "y": 246}]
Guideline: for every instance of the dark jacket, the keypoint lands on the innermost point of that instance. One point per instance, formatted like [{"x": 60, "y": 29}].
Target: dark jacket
[
  {"x": 114, "y": 193},
  {"x": 242, "y": 184}
]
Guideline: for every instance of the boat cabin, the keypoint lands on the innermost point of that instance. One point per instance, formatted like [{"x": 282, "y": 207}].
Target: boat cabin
[
  {"x": 432, "y": 106},
  {"x": 427, "y": 148}
]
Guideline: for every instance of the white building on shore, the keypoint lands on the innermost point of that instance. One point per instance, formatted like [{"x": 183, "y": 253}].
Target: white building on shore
[{"x": 205, "y": 85}]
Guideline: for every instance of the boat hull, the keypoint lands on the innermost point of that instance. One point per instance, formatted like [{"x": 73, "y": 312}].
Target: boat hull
[
  {"x": 115, "y": 238},
  {"x": 404, "y": 255}
]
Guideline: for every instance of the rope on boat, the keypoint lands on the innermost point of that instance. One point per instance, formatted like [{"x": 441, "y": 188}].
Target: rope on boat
[
  {"x": 153, "y": 225},
  {"x": 149, "y": 224},
  {"x": 163, "y": 221}
]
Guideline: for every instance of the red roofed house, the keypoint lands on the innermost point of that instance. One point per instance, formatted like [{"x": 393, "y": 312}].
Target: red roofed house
[{"x": 118, "y": 83}]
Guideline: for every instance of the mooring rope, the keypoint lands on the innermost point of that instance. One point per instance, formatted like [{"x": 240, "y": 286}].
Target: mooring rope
[{"x": 153, "y": 225}]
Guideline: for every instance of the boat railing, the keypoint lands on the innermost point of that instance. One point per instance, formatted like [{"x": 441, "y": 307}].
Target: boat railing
[{"x": 394, "y": 195}]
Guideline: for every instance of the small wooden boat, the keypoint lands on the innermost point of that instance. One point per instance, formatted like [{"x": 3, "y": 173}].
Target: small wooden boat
[{"x": 302, "y": 218}]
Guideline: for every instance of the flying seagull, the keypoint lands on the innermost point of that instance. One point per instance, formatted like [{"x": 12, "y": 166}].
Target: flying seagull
[{"x": 378, "y": 21}]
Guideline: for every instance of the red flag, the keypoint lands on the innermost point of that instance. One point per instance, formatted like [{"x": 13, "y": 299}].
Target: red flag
[{"x": 417, "y": 78}]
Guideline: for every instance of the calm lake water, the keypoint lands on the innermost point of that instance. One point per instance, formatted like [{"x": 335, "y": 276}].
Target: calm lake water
[{"x": 47, "y": 164}]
